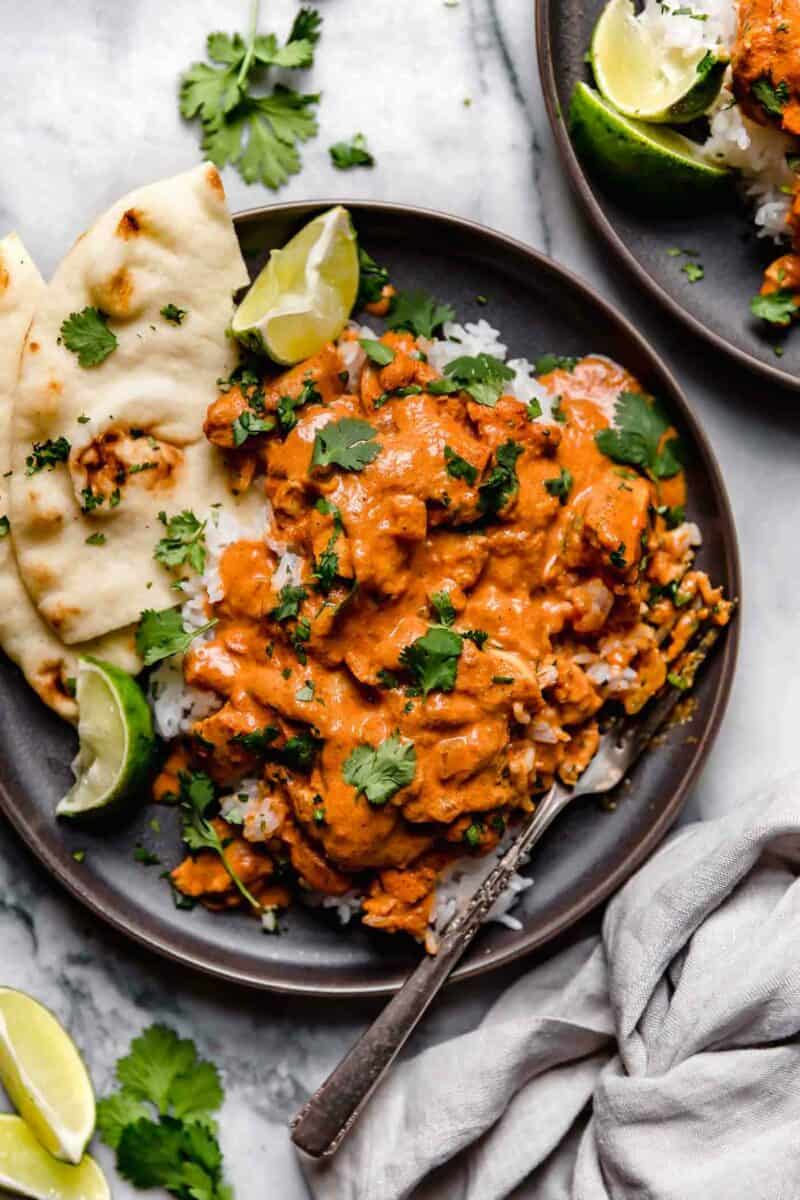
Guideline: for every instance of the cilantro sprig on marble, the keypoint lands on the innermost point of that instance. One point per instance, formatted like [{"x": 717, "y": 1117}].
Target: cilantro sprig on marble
[
  {"x": 160, "y": 1121},
  {"x": 256, "y": 131},
  {"x": 637, "y": 437}
]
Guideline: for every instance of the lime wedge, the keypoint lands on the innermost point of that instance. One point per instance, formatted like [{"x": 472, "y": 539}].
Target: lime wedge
[
  {"x": 305, "y": 293},
  {"x": 646, "y": 79},
  {"x": 45, "y": 1078},
  {"x": 28, "y": 1170},
  {"x": 116, "y": 743},
  {"x": 643, "y": 163}
]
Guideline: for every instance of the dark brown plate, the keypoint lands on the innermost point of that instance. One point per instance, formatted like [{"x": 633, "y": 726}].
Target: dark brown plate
[
  {"x": 718, "y": 308},
  {"x": 539, "y": 307}
]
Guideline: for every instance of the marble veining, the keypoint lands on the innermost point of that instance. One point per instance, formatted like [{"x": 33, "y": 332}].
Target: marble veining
[{"x": 449, "y": 99}]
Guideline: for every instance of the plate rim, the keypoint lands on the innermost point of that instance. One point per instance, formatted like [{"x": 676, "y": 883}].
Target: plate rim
[
  {"x": 268, "y": 978},
  {"x": 597, "y": 217}
]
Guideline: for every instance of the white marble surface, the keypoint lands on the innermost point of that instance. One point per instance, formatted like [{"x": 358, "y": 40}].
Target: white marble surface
[{"x": 87, "y": 90}]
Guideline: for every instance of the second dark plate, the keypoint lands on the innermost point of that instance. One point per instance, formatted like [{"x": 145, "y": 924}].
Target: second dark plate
[{"x": 732, "y": 255}]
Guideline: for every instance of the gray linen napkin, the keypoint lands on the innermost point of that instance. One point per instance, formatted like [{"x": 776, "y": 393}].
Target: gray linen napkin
[{"x": 651, "y": 1063}]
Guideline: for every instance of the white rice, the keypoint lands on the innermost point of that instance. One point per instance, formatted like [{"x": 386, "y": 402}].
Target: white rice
[
  {"x": 176, "y": 706},
  {"x": 458, "y": 883},
  {"x": 757, "y": 152}
]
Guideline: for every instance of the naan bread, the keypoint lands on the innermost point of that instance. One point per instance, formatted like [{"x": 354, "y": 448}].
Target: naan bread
[
  {"x": 142, "y": 448},
  {"x": 46, "y": 663}
]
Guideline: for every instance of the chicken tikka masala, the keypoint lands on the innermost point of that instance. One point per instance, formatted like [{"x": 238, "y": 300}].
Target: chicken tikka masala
[{"x": 470, "y": 583}]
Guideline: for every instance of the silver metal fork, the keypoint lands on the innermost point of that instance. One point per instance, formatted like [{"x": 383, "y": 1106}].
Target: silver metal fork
[{"x": 325, "y": 1120}]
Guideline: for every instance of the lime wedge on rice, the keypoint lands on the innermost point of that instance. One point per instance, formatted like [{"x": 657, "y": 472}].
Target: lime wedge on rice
[
  {"x": 306, "y": 292},
  {"x": 28, "y": 1170},
  {"x": 647, "y": 163},
  {"x": 45, "y": 1078},
  {"x": 646, "y": 79},
  {"x": 116, "y": 743}
]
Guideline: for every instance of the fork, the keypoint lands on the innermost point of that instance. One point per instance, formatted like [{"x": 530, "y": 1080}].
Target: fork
[{"x": 327, "y": 1117}]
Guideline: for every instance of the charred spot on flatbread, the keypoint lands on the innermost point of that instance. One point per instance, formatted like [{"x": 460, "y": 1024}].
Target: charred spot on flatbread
[
  {"x": 119, "y": 457},
  {"x": 130, "y": 224}
]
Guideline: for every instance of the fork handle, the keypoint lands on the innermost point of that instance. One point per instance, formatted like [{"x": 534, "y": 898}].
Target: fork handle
[{"x": 327, "y": 1117}]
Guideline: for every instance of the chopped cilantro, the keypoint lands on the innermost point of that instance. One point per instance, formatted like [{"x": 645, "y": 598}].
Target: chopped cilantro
[
  {"x": 560, "y": 486},
  {"x": 433, "y": 659},
  {"x": 173, "y": 314},
  {"x": 300, "y": 751},
  {"x": 503, "y": 679},
  {"x": 5, "y": 526},
  {"x": 443, "y": 606},
  {"x": 458, "y": 467},
  {"x": 677, "y": 681},
  {"x": 379, "y": 772},
  {"x": 289, "y": 601},
  {"x": 534, "y": 409},
  {"x": 185, "y": 542},
  {"x": 346, "y": 443},
  {"x": 248, "y": 425},
  {"x": 47, "y": 454},
  {"x": 197, "y": 796},
  {"x": 640, "y": 424},
  {"x": 86, "y": 334},
  {"x": 694, "y": 272},
  {"x": 617, "y": 558},
  {"x": 387, "y": 679},
  {"x": 371, "y": 281},
  {"x": 298, "y": 637},
  {"x": 419, "y": 312},
  {"x": 502, "y": 483},
  {"x": 258, "y": 741},
  {"x": 773, "y": 99},
  {"x": 674, "y": 515},
  {"x": 258, "y": 132},
  {"x": 161, "y": 634},
  {"x": 482, "y": 376},
  {"x": 554, "y": 362},
  {"x": 351, "y": 154},
  {"x": 96, "y": 539},
  {"x": 377, "y": 352},
  {"x": 473, "y": 834},
  {"x": 146, "y": 857},
  {"x": 778, "y": 308},
  {"x": 478, "y": 636}
]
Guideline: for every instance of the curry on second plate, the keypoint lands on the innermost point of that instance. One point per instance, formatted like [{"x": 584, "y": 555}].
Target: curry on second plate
[{"x": 384, "y": 591}]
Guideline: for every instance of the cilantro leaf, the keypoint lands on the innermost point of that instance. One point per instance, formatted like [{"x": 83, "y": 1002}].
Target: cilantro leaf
[
  {"x": 196, "y": 798},
  {"x": 561, "y": 486},
  {"x": 433, "y": 659},
  {"x": 307, "y": 26},
  {"x": 156, "y": 1058},
  {"x": 418, "y": 312},
  {"x": 86, "y": 334},
  {"x": 173, "y": 314},
  {"x": 479, "y": 636},
  {"x": 693, "y": 271},
  {"x": 482, "y": 376},
  {"x": 554, "y": 362},
  {"x": 290, "y": 599},
  {"x": 47, "y": 454},
  {"x": 379, "y": 772},
  {"x": 185, "y": 542},
  {"x": 248, "y": 425},
  {"x": 674, "y": 514},
  {"x": 115, "y": 1112},
  {"x": 149, "y": 1154},
  {"x": 160, "y": 634},
  {"x": 5, "y": 526},
  {"x": 346, "y": 443},
  {"x": 300, "y": 751},
  {"x": 640, "y": 424},
  {"x": 256, "y": 131},
  {"x": 377, "y": 352},
  {"x": 372, "y": 279},
  {"x": 354, "y": 153},
  {"x": 443, "y": 606},
  {"x": 196, "y": 1092},
  {"x": 773, "y": 99},
  {"x": 779, "y": 307},
  {"x": 502, "y": 482},
  {"x": 259, "y": 740},
  {"x": 458, "y": 467}
]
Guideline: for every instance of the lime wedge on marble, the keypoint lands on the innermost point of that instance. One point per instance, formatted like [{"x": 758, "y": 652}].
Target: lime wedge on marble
[
  {"x": 644, "y": 164},
  {"x": 645, "y": 79},
  {"x": 26, "y": 1169},
  {"x": 45, "y": 1078},
  {"x": 305, "y": 294},
  {"x": 116, "y": 743}
]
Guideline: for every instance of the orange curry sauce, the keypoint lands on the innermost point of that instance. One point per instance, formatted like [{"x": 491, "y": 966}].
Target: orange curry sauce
[{"x": 564, "y": 587}]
